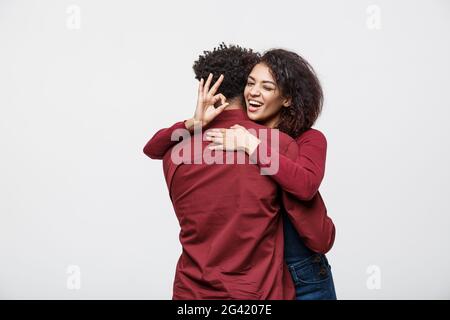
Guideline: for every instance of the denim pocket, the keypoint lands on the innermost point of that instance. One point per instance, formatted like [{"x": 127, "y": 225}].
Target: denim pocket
[
  {"x": 313, "y": 270},
  {"x": 313, "y": 279}
]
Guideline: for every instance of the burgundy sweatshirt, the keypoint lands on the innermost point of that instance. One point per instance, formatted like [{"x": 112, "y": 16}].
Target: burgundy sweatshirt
[
  {"x": 230, "y": 219},
  {"x": 300, "y": 178}
]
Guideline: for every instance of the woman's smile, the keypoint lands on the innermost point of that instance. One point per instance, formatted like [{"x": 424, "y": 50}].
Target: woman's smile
[{"x": 254, "y": 105}]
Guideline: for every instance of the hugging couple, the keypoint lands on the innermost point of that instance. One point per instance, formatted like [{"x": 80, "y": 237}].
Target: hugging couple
[{"x": 246, "y": 233}]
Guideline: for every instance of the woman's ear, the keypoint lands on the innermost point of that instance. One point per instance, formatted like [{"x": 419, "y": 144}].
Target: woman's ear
[{"x": 287, "y": 102}]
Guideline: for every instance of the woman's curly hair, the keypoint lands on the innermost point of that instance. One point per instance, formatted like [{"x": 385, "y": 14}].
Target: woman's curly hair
[
  {"x": 233, "y": 61},
  {"x": 296, "y": 79}
]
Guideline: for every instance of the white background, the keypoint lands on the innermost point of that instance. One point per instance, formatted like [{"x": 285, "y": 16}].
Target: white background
[{"x": 78, "y": 105}]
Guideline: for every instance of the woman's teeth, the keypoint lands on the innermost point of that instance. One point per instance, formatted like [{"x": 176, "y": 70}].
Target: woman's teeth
[{"x": 254, "y": 105}]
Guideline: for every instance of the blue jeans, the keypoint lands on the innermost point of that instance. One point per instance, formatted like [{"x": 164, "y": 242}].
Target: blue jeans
[{"x": 313, "y": 279}]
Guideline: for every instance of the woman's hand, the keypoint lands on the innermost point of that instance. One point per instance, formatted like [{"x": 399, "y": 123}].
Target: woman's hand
[
  {"x": 205, "y": 111},
  {"x": 236, "y": 138}
]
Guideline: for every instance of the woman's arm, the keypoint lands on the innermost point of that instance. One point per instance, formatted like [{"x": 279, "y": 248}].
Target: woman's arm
[
  {"x": 311, "y": 221},
  {"x": 300, "y": 180},
  {"x": 161, "y": 141},
  {"x": 300, "y": 177},
  {"x": 303, "y": 176}
]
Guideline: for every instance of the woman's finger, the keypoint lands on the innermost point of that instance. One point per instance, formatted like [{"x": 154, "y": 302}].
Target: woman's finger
[
  {"x": 199, "y": 107},
  {"x": 200, "y": 91},
  {"x": 207, "y": 84},
  {"x": 219, "y": 97},
  {"x": 200, "y": 87},
  {"x": 214, "y": 134},
  {"x": 215, "y": 147},
  {"x": 216, "y": 85},
  {"x": 217, "y": 130},
  {"x": 217, "y": 140},
  {"x": 219, "y": 109}
]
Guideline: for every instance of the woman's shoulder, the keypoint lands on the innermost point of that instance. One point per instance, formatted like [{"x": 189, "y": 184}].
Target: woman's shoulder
[{"x": 312, "y": 135}]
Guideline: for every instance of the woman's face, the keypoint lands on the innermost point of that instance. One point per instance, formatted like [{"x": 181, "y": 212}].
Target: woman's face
[{"x": 263, "y": 97}]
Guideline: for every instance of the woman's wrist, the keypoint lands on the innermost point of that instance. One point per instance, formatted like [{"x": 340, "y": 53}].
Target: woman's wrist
[
  {"x": 191, "y": 123},
  {"x": 252, "y": 144}
]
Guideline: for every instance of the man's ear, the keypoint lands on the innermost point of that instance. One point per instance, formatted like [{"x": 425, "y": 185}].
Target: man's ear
[{"x": 287, "y": 102}]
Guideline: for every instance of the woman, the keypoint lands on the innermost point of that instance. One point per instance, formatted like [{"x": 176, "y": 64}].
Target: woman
[{"x": 282, "y": 92}]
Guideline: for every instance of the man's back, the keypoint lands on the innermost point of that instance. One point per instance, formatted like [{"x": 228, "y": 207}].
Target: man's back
[{"x": 231, "y": 229}]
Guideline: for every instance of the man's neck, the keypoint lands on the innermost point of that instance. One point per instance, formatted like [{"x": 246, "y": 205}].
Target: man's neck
[
  {"x": 234, "y": 111},
  {"x": 235, "y": 104}
]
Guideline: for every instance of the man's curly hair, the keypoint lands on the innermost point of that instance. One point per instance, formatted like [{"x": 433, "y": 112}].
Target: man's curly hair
[
  {"x": 296, "y": 79},
  {"x": 233, "y": 61}
]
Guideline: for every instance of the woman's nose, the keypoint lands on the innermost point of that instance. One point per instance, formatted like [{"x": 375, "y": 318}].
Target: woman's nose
[{"x": 254, "y": 91}]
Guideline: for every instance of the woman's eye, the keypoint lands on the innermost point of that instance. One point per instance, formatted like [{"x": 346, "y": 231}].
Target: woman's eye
[
  {"x": 250, "y": 84},
  {"x": 268, "y": 88}
]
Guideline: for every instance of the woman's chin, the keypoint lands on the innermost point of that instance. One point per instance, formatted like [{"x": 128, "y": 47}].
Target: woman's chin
[{"x": 253, "y": 116}]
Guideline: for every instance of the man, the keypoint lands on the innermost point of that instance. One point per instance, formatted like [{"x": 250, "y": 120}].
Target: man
[{"x": 229, "y": 214}]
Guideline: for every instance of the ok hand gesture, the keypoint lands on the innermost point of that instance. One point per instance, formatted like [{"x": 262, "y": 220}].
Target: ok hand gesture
[{"x": 205, "y": 111}]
